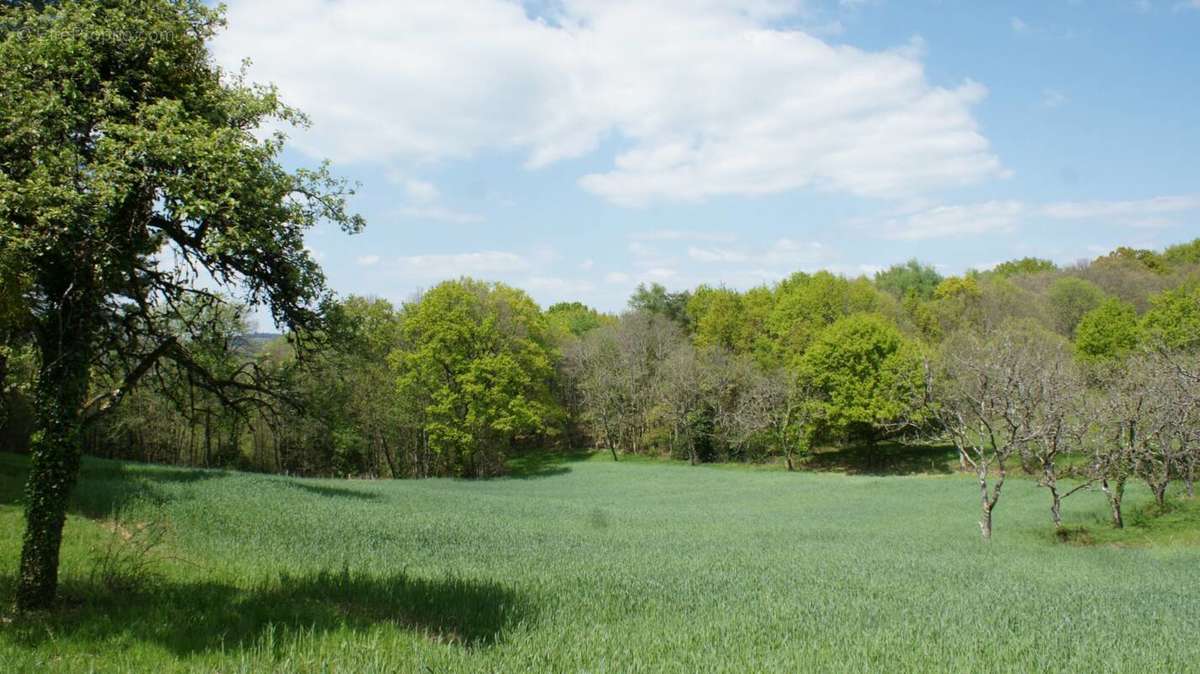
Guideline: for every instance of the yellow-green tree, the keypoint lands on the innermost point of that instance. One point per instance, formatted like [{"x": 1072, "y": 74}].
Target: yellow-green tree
[{"x": 478, "y": 357}]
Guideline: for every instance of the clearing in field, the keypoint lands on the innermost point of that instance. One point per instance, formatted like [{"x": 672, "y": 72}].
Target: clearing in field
[{"x": 590, "y": 565}]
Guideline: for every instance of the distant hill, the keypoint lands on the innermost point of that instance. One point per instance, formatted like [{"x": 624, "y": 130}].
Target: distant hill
[{"x": 255, "y": 341}]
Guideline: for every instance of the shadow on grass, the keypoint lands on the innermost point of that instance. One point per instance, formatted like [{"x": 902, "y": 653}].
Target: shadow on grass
[
  {"x": 1177, "y": 523},
  {"x": 104, "y": 486},
  {"x": 331, "y": 492},
  {"x": 885, "y": 458},
  {"x": 534, "y": 465},
  {"x": 200, "y": 617}
]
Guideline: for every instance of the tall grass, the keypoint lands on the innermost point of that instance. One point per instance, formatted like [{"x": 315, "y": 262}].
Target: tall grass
[{"x": 601, "y": 567}]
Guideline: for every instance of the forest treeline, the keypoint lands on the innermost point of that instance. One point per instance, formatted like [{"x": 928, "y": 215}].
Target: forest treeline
[{"x": 1021, "y": 364}]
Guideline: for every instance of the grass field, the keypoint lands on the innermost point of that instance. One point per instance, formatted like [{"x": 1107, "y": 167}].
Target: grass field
[{"x": 586, "y": 565}]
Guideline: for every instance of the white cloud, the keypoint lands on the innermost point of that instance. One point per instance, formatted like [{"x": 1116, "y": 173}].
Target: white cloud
[
  {"x": 950, "y": 221},
  {"x": 587, "y": 264},
  {"x": 708, "y": 97},
  {"x": 1018, "y": 25},
  {"x": 439, "y": 214},
  {"x": 716, "y": 255},
  {"x": 682, "y": 235},
  {"x": 558, "y": 286},
  {"x": 1052, "y": 98},
  {"x": 421, "y": 191},
  {"x": 460, "y": 264},
  {"x": 617, "y": 277},
  {"x": 1187, "y": 4},
  {"x": 783, "y": 252},
  {"x": 1005, "y": 216},
  {"x": 1155, "y": 212},
  {"x": 422, "y": 200},
  {"x": 368, "y": 260}
]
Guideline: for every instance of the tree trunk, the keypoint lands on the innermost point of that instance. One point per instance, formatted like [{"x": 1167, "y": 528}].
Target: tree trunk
[
  {"x": 1115, "y": 494},
  {"x": 988, "y": 501},
  {"x": 985, "y": 521},
  {"x": 1056, "y": 507},
  {"x": 61, "y": 391},
  {"x": 1160, "y": 493},
  {"x": 1050, "y": 481}
]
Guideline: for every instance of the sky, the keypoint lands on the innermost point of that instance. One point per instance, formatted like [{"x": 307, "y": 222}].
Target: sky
[{"x": 576, "y": 148}]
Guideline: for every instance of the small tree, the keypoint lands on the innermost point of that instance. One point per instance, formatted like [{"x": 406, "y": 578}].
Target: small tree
[
  {"x": 683, "y": 395},
  {"x": 1051, "y": 406},
  {"x": 979, "y": 394}
]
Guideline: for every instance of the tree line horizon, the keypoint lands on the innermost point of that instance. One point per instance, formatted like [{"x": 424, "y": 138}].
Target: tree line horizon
[{"x": 1098, "y": 360}]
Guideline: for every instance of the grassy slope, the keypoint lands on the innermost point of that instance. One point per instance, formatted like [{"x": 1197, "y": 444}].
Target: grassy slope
[{"x": 593, "y": 566}]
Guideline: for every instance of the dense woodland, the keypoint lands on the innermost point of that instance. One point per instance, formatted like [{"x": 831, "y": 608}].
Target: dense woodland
[{"x": 1088, "y": 371}]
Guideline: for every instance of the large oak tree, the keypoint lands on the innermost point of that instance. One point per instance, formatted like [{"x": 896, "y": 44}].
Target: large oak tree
[{"x": 132, "y": 175}]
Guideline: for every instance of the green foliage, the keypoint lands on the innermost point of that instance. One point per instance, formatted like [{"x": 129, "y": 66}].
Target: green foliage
[
  {"x": 1174, "y": 318},
  {"x": 805, "y": 304},
  {"x": 717, "y": 316},
  {"x": 574, "y": 318},
  {"x": 1183, "y": 253},
  {"x": 656, "y": 299},
  {"x": 866, "y": 375},
  {"x": 1024, "y": 267},
  {"x": 1139, "y": 256},
  {"x": 477, "y": 358},
  {"x": 909, "y": 279},
  {"x": 1070, "y": 299},
  {"x": 1107, "y": 333}
]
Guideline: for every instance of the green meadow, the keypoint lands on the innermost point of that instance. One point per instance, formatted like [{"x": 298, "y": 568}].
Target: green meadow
[{"x": 581, "y": 564}]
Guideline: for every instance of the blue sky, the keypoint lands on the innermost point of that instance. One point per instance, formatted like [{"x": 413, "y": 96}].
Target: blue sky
[{"x": 575, "y": 148}]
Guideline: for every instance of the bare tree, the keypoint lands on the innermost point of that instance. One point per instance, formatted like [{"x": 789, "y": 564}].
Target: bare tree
[
  {"x": 978, "y": 396},
  {"x": 1052, "y": 406},
  {"x": 774, "y": 404},
  {"x": 592, "y": 364},
  {"x": 616, "y": 371},
  {"x": 1148, "y": 429},
  {"x": 682, "y": 394}
]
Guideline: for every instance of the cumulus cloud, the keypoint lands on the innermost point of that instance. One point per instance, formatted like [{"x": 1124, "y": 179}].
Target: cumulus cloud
[{"x": 702, "y": 97}]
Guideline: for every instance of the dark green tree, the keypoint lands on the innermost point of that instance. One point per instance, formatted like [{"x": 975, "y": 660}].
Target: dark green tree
[
  {"x": 122, "y": 145},
  {"x": 656, "y": 299},
  {"x": 911, "y": 278}
]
